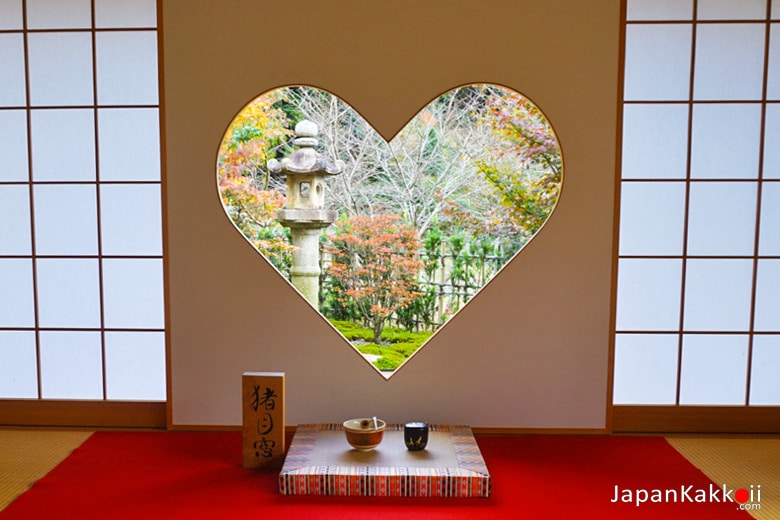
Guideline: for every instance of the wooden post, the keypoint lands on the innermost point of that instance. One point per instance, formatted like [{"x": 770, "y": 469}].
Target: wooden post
[{"x": 264, "y": 422}]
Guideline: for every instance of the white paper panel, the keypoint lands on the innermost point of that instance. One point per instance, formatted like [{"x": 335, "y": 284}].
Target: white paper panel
[
  {"x": 60, "y": 68},
  {"x": 133, "y": 293},
  {"x": 655, "y": 141},
  {"x": 14, "y": 220},
  {"x": 648, "y": 294},
  {"x": 12, "y": 87},
  {"x": 764, "y": 380},
  {"x": 768, "y": 296},
  {"x": 769, "y": 239},
  {"x": 125, "y": 13},
  {"x": 775, "y": 9},
  {"x": 63, "y": 145},
  {"x": 645, "y": 369},
  {"x": 63, "y": 150},
  {"x": 714, "y": 370},
  {"x": 11, "y": 14},
  {"x": 659, "y": 10},
  {"x": 65, "y": 219},
  {"x": 129, "y": 144},
  {"x": 722, "y": 218},
  {"x": 71, "y": 365},
  {"x": 731, "y": 9},
  {"x": 16, "y": 293},
  {"x": 771, "y": 138},
  {"x": 127, "y": 68},
  {"x": 652, "y": 217},
  {"x": 18, "y": 365},
  {"x": 725, "y": 141},
  {"x": 135, "y": 366},
  {"x": 59, "y": 14},
  {"x": 131, "y": 221},
  {"x": 773, "y": 76},
  {"x": 729, "y": 62},
  {"x": 13, "y": 146},
  {"x": 68, "y": 293},
  {"x": 718, "y": 295},
  {"x": 657, "y": 62}
]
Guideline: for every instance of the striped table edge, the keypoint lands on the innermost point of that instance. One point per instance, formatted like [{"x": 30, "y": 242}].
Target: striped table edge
[{"x": 470, "y": 478}]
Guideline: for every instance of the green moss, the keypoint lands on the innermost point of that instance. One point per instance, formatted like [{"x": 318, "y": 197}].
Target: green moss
[
  {"x": 387, "y": 364},
  {"x": 405, "y": 349},
  {"x": 371, "y": 348},
  {"x": 400, "y": 343},
  {"x": 353, "y": 331},
  {"x": 396, "y": 335},
  {"x": 390, "y": 359}
]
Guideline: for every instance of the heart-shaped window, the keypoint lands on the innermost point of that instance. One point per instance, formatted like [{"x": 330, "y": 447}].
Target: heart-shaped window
[{"x": 388, "y": 241}]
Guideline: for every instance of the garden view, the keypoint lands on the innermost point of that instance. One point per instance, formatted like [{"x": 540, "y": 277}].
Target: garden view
[{"x": 424, "y": 221}]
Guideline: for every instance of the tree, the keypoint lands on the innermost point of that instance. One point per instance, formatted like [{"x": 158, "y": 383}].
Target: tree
[
  {"x": 526, "y": 169},
  {"x": 478, "y": 169},
  {"x": 345, "y": 135},
  {"x": 436, "y": 154},
  {"x": 374, "y": 261},
  {"x": 481, "y": 152},
  {"x": 253, "y": 211},
  {"x": 247, "y": 191},
  {"x": 427, "y": 166}
]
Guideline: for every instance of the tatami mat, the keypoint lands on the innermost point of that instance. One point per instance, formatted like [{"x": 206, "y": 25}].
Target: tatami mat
[
  {"x": 738, "y": 462},
  {"x": 27, "y": 455}
]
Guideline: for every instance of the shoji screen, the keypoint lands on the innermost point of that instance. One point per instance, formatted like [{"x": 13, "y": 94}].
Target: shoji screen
[
  {"x": 81, "y": 269},
  {"x": 698, "y": 297}
]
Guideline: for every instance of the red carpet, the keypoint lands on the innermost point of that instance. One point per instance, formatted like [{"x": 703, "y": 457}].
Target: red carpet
[{"x": 171, "y": 475}]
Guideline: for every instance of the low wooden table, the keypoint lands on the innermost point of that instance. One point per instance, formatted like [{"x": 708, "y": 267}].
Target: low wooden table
[{"x": 321, "y": 462}]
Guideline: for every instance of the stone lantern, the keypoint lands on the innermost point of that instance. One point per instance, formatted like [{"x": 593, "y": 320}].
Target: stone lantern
[{"x": 304, "y": 211}]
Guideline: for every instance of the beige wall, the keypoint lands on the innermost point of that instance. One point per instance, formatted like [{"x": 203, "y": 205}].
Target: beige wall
[{"x": 532, "y": 349}]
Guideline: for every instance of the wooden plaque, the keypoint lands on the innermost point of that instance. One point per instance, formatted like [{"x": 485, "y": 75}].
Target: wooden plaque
[{"x": 263, "y": 413}]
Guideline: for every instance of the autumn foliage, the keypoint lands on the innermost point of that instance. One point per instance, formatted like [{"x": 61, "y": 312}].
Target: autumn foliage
[
  {"x": 244, "y": 184},
  {"x": 526, "y": 139},
  {"x": 424, "y": 220},
  {"x": 374, "y": 261}
]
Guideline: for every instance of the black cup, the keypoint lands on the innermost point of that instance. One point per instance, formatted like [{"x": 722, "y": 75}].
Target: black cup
[{"x": 416, "y": 435}]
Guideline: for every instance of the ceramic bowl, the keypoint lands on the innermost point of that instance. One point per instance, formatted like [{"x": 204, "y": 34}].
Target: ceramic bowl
[{"x": 362, "y": 434}]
